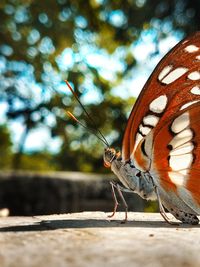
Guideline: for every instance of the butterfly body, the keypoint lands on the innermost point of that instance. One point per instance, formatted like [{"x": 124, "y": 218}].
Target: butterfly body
[
  {"x": 161, "y": 145},
  {"x": 131, "y": 178}
]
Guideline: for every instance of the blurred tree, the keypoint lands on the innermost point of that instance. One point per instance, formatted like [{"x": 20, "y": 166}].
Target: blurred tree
[
  {"x": 38, "y": 161},
  {"x": 5, "y": 148},
  {"x": 36, "y": 35}
]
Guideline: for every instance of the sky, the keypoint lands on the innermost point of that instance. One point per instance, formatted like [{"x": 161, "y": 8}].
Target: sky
[{"x": 107, "y": 65}]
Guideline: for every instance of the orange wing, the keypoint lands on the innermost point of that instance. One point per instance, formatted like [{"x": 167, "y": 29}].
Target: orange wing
[
  {"x": 174, "y": 82},
  {"x": 175, "y": 159}
]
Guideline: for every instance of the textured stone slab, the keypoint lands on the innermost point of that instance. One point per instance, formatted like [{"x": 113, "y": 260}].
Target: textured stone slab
[{"x": 89, "y": 239}]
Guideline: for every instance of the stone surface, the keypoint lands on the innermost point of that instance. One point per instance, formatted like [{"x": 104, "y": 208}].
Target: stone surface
[{"x": 90, "y": 239}]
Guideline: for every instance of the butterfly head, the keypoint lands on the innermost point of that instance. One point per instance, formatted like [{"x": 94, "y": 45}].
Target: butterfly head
[{"x": 110, "y": 154}]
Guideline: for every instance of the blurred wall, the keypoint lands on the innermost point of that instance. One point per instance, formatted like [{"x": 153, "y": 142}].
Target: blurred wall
[{"x": 28, "y": 193}]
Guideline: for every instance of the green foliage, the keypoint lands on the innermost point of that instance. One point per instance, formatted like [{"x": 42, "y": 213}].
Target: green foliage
[
  {"x": 5, "y": 148},
  {"x": 33, "y": 35},
  {"x": 38, "y": 161},
  {"x": 151, "y": 206}
]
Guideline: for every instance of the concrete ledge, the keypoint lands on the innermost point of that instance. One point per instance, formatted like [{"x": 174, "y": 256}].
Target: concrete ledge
[
  {"x": 89, "y": 239},
  {"x": 32, "y": 193}
]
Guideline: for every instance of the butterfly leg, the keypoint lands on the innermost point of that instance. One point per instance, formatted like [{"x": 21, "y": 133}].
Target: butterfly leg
[
  {"x": 116, "y": 203},
  {"x": 161, "y": 208},
  {"x": 124, "y": 202}
]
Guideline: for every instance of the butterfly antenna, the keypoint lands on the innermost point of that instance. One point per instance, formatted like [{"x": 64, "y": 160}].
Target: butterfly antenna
[
  {"x": 84, "y": 126},
  {"x": 88, "y": 115}
]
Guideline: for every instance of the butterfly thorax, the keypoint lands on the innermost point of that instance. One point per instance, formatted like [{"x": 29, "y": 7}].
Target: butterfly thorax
[{"x": 131, "y": 178}]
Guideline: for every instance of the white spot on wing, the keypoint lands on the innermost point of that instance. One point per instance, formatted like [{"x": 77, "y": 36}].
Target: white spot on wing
[
  {"x": 180, "y": 123},
  {"x": 150, "y": 120},
  {"x": 148, "y": 144},
  {"x": 180, "y": 162},
  {"x": 178, "y": 178},
  {"x": 174, "y": 75},
  {"x": 181, "y": 138},
  {"x": 164, "y": 72},
  {"x": 183, "y": 149},
  {"x": 138, "y": 138},
  {"x": 191, "y": 48},
  {"x": 195, "y": 90},
  {"x": 195, "y": 75},
  {"x": 184, "y": 172},
  {"x": 198, "y": 57},
  {"x": 189, "y": 104},
  {"x": 159, "y": 104},
  {"x": 144, "y": 130}
]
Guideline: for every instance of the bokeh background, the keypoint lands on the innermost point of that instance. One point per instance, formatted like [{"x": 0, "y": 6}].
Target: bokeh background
[{"x": 106, "y": 50}]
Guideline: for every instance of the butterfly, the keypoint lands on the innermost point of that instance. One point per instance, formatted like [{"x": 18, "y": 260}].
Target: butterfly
[{"x": 160, "y": 156}]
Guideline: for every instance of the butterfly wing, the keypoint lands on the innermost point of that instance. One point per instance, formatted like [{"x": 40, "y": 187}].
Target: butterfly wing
[
  {"x": 174, "y": 83},
  {"x": 175, "y": 159},
  {"x": 163, "y": 130}
]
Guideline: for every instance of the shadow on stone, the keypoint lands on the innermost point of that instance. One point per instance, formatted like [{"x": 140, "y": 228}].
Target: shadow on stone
[{"x": 47, "y": 225}]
